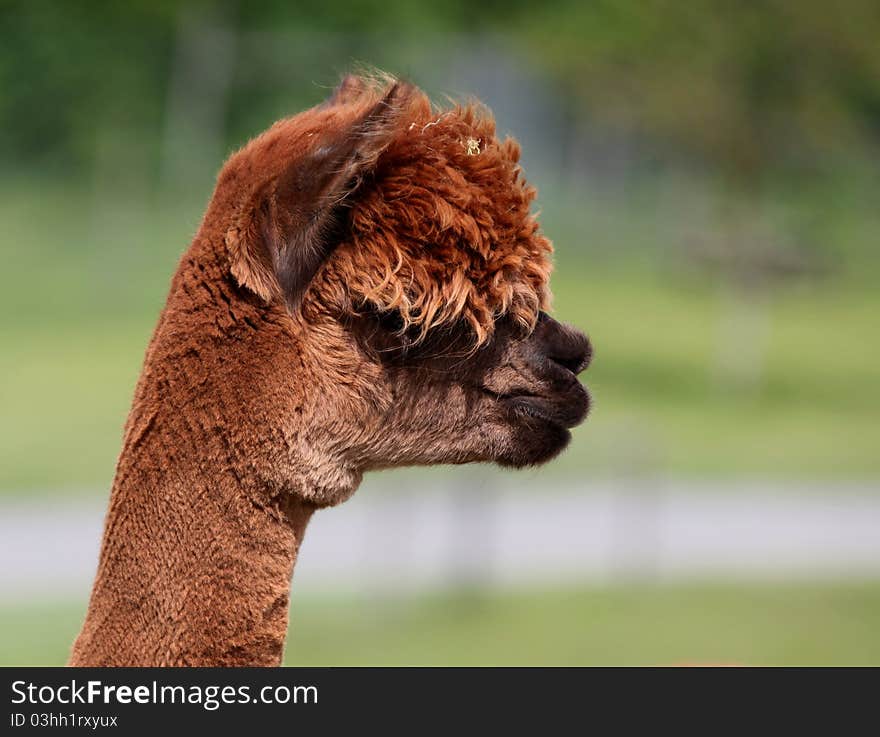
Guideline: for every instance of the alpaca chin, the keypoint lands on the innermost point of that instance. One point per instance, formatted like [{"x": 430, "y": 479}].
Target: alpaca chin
[{"x": 535, "y": 445}]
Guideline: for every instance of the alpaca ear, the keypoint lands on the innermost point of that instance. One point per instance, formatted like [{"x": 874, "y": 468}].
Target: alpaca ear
[
  {"x": 348, "y": 90},
  {"x": 297, "y": 220}
]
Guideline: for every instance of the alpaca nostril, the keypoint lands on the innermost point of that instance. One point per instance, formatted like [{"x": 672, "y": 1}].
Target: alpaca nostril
[
  {"x": 564, "y": 345},
  {"x": 576, "y": 359}
]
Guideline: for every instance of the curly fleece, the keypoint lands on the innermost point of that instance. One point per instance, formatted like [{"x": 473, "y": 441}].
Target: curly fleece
[{"x": 442, "y": 231}]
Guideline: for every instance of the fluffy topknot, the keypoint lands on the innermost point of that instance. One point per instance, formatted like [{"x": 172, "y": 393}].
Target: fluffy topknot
[{"x": 442, "y": 229}]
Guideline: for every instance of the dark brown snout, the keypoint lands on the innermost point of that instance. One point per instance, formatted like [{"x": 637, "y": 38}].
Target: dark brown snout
[
  {"x": 536, "y": 387},
  {"x": 560, "y": 345},
  {"x": 553, "y": 355}
]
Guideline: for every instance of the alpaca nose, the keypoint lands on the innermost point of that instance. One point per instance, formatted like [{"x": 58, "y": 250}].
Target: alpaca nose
[
  {"x": 577, "y": 360},
  {"x": 565, "y": 345},
  {"x": 575, "y": 355}
]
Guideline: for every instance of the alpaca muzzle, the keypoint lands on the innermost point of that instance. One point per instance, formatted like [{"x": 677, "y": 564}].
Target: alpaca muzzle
[
  {"x": 562, "y": 345},
  {"x": 552, "y": 356}
]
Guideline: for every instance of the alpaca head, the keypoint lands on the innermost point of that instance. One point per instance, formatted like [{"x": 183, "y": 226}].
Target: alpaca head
[{"x": 395, "y": 244}]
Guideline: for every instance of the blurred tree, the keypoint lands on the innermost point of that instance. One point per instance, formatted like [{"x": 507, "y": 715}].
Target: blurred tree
[
  {"x": 744, "y": 87},
  {"x": 66, "y": 68}
]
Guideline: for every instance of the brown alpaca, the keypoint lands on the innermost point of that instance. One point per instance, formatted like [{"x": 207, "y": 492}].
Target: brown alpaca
[{"x": 365, "y": 291}]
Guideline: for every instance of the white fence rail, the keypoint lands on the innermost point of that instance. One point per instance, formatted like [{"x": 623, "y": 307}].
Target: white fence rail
[{"x": 491, "y": 535}]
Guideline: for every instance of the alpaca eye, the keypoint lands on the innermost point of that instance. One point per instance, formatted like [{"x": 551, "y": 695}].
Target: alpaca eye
[{"x": 391, "y": 321}]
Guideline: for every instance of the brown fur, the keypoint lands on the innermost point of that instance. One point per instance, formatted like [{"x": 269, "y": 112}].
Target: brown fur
[{"x": 365, "y": 291}]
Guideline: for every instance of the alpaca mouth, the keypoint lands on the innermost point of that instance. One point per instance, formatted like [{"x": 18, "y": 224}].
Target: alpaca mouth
[{"x": 564, "y": 410}]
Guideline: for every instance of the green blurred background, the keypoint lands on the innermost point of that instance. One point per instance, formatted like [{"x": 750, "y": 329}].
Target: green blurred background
[{"x": 708, "y": 172}]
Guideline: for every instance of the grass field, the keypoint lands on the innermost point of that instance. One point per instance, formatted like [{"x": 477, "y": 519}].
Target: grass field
[
  {"x": 763, "y": 624},
  {"x": 89, "y": 282}
]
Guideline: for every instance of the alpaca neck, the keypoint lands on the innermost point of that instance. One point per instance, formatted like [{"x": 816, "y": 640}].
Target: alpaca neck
[
  {"x": 212, "y": 494},
  {"x": 193, "y": 571}
]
